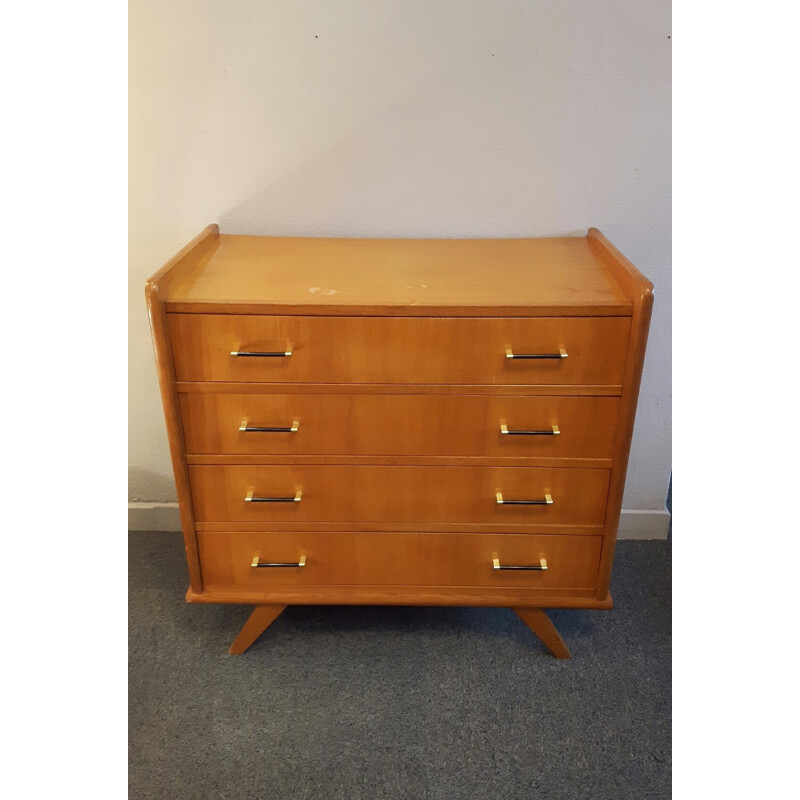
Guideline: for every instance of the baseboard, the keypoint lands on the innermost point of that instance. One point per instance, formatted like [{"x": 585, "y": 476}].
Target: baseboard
[
  {"x": 633, "y": 524},
  {"x": 153, "y": 517}
]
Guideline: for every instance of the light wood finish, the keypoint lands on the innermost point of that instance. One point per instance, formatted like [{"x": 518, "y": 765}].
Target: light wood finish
[
  {"x": 484, "y": 277},
  {"x": 259, "y": 620},
  {"x": 640, "y": 289},
  {"x": 520, "y": 527},
  {"x": 399, "y": 379},
  {"x": 413, "y": 495},
  {"x": 432, "y": 350},
  {"x": 402, "y": 596},
  {"x": 402, "y": 461},
  {"x": 399, "y": 559},
  {"x": 521, "y": 390},
  {"x": 543, "y": 627},
  {"x": 155, "y": 289},
  {"x": 414, "y": 425}
]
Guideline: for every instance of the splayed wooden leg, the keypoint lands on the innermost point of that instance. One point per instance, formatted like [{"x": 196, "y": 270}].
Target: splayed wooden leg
[
  {"x": 541, "y": 625},
  {"x": 261, "y": 618}
]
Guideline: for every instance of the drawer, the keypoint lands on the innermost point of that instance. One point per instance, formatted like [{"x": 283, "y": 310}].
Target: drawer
[
  {"x": 393, "y": 494},
  {"x": 399, "y": 349},
  {"x": 413, "y": 559},
  {"x": 397, "y": 425}
]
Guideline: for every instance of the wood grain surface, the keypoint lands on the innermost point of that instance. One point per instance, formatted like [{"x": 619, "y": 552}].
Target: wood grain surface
[
  {"x": 641, "y": 290},
  {"x": 402, "y": 350},
  {"x": 155, "y": 290},
  {"x": 385, "y": 276},
  {"x": 419, "y": 559},
  {"x": 399, "y": 494},
  {"x": 413, "y": 425}
]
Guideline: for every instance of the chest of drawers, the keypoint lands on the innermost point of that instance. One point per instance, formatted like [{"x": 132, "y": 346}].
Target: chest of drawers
[{"x": 399, "y": 421}]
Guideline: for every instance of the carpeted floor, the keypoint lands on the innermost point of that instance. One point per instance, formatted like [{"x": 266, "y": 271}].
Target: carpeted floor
[{"x": 417, "y": 703}]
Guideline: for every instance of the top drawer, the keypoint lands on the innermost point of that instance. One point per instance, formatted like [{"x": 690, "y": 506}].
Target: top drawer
[{"x": 426, "y": 350}]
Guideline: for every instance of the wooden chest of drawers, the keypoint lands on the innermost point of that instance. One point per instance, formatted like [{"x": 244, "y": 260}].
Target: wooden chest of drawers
[{"x": 427, "y": 422}]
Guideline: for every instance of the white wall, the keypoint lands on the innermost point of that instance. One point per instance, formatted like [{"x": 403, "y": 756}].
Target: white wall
[{"x": 459, "y": 118}]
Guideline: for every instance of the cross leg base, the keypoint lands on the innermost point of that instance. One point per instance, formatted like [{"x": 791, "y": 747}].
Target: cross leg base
[
  {"x": 261, "y": 618},
  {"x": 541, "y": 625}
]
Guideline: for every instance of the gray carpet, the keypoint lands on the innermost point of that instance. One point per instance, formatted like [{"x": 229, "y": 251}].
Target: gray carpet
[{"x": 418, "y": 703}]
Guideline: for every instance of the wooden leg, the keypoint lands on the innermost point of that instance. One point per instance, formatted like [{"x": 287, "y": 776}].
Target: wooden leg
[
  {"x": 541, "y": 625},
  {"x": 261, "y": 618}
]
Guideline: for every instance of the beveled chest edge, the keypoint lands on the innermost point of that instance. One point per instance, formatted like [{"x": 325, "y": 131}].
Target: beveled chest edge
[
  {"x": 157, "y": 314},
  {"x": 640, "y": 290}
]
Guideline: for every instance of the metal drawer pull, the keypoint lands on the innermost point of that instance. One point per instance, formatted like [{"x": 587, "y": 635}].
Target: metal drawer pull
[
  {"x": 245, "y": 428},
  {"x": 257, "y": 354},
  {"x": 562, "y": 353},
  {"x": 250, "y": 499},
  {"x": 542, "y": 565},
  {"x": 504, "y": 429},
  {"x": 257, "y": 563},
  {"x": 548, "y": 500}
]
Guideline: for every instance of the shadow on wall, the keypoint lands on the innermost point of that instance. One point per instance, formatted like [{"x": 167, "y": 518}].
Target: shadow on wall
[
  {"x": 405, "y": 175},
  {"x": 150, "y": 487}
]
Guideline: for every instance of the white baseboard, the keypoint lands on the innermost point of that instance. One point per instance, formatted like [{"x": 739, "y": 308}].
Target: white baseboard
[
  {"x": 633, "y": 524},
  {"x": 153, "y": 517}
]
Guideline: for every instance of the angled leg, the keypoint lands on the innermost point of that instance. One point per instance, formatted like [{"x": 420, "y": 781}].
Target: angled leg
[
  {"x": 261, "y": 618},
  {"x": 541, "y": 625}
]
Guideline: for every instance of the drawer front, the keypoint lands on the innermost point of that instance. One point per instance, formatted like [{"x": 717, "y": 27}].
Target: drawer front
[
  {"x": 412, "y": 559},
  {"x": 399, "y": 350},
  {"x": 412, "y": 425},
  {"x": 413, "y": 494}
]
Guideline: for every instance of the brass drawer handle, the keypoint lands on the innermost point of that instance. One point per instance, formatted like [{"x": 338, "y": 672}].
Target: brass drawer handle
[
  {"x": 257, "y": 563},
  {"x": 250, "y": 499},
  {"x": 555, "y": 431},
  {"x": 260, "y": 354},
  {"x": 245, "y": 428},
  {"x": 562, "y": 353},
  {"x": 548, "y": 501},
  {"x": 541, "y": 566}
]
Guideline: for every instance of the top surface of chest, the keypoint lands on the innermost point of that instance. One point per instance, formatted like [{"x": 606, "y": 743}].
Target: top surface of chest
[{"x": 496, "y": 277}]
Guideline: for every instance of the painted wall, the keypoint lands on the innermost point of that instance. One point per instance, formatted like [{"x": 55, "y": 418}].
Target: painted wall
[{"x": 452, "y": 118}]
